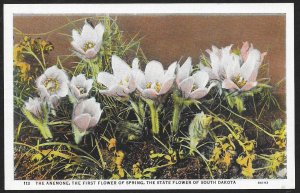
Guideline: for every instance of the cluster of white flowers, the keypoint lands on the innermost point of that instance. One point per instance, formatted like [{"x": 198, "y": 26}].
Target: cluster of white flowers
[
  {"x": 154, "y": 81},
  {"x": 233, "y": 71},
  {"x": 236, "y": 72}
]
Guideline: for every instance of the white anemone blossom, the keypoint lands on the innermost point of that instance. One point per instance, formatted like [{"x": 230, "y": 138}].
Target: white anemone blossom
[
  {"x": 53, "y": 85},
  {"x": 155, "y": 81},
  {"x": 192, "y": 86},
  {"x": 242, "y": 72},
  {"x": 80, "y": 86},
  {"x": 34, "y": 106},
  {"x": 86, "y": 114},
  {"x": 88, "y": 43},
  {"x": 219, "y": 58},
  {"x": 237, "y": 72},
  {"x": 122, "y": 81}
]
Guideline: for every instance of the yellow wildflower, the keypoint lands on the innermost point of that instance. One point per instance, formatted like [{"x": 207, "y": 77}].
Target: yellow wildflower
[
  {"x": 136, "y": 168},
  {"x": 248, "y": 170},
  {"x": 112, "y": 143},
  {"x": 20, "y": 63},
  {"x": 281, "y": 137},
  {"x": 249, "y": 145},
  {"x": 276, "y": 160},
  {"x": 119, "y": 157}
]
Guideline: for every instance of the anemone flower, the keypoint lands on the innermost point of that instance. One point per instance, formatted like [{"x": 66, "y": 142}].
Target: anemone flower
[
  {"x": 155, "y": 81},
  {"x": 121, "y": 82},
  {"x": 242, "y": 72},
  {"x": 80, "y": 86},
  {"x": 219, "y": 59},
  {"x": 37, "y": 113},
  {"x": 192, "y": 86},
  {"x": 88, "y": 43},
  {"x": 34, "y": 106},
  {"x": 53, "y": 85},
  {"x": 86, "y": 114}
]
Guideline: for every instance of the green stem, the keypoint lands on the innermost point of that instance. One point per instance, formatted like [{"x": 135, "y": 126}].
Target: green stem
[
  {"x": 176, "y": 117},
  {"x": 59, "y": 123},
  {"x": 43, "y": 56},
  {"x": 154, "y": 117},
  {"x": 40, "y": 124},
  {"x": 94, "y": 69},
  {"x": 45, "y": 131}
]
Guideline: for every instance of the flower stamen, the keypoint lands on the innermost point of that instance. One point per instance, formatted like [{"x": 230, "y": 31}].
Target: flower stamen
[
  {"x": 148, "y": 85},
  {"x": 51, "y": 85},
  {"x": 239, "y": 81},
  {"x": 157, "y": 86},
  {"x": 88, "y": 45}
]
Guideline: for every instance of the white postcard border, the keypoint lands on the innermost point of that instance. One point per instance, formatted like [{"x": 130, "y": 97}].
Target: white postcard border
[{"x": 250, "y": 8}]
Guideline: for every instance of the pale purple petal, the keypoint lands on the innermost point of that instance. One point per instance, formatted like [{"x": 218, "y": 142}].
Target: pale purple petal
[
  {"x": 140, "y": 78},
  {"x": 171, "y": 71},
  {"x": 120, "y": 68},
  {"x": 186, "y": 86},
  {"x": 150, "y": 93},
  {"x": 89, "y": 85},
  {"x": 166, "y": 86},
  {"x": 74, "y": 90},
  {"x": 77, "y": 47},
  {"x": 184, "y": 71},
  {"x": 245, "y": 50},
  {"x": 91, "y": 53},
  {"x": 82, "y": 122},
  {"x": 154, "y": 71},
  {"x": 229, "y": 84},
  {"x": 106, "y": 79},
  {"x": 251, "y": 65},
  {"x": 248, "y": 86},
  {"x": 199, "y": 93},
  {"x": 131, "y": 84},
  {"x": 88, "y": 32},
  {"x": 135, "y": 63},
  {"x": 99, "y": 31},
  {"x": 116, "y": 90},
  {"x": 201, "y": 79}
]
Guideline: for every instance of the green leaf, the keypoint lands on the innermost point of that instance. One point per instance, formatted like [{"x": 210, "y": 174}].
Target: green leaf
[
  {"x": 37, "y": 157},
  {"x": 138, "y": 176},
  {"x": 151, "y": 170},
  {"x": 230, "y": 101},
  {"x": 156, "y": 155},
  {"x": 19, "y": 129},
  {"x": 198, "y": 128},
  {"x": 239, "y": 104},
  {"x": 77, "y": 134},
  {"x": 168, "y": 157}
]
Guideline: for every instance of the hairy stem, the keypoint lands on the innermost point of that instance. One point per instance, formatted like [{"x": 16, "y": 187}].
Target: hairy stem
[
  {"x": 40, "y": 124},
  {"x": 154, "y": 117},
  {"x": 176, "y": 117}
]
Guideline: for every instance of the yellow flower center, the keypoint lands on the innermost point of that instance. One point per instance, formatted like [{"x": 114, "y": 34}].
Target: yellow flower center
[
  {"x": 51, "y": 85},
  {"x": 157, "y": 86},
  {"x": 81, "y": 90},
  {"x": 239, "y": 81},
  {"x": 148, "y": 85},
  {"x": 88, "y": 45}
]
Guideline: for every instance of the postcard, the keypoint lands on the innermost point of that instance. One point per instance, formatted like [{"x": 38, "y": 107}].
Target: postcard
[{"x": 149, "y": 96}]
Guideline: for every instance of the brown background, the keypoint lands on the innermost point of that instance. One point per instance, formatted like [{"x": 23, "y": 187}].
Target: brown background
[{"x": 167, "y": 38}]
